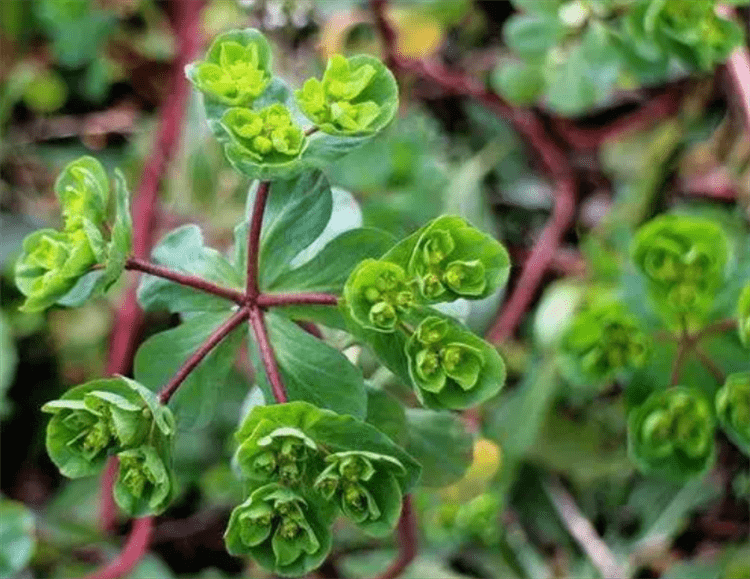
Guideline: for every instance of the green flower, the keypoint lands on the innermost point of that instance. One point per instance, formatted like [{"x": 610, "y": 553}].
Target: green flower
[
  {"x": 236, "y": 70},
  {"x": 450, "y": 366},
  {"x": 743, "y": 316},
  {"x": 83, "y": 191},
  {"x": 266, "y": 136},
  {"x": 356, "y": 96},
  {"x": 96, "y": 420},
  {"x": 145, "y": 485},
  {"x": 377, "y": 293},
  {"x": 285, "y": 532},
  {"x": 451, "y": 259},
  {"x": 603, "y": 340},
  {"x": 365, "y": 486},
  {"x": 684, "y": 260},
  {"x": 672, "y": 434},
  {"x": 275, "y": 454},
  {"x": 733, "y": 409}
]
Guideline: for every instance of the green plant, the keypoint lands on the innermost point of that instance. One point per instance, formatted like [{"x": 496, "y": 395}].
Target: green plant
[{"x": 320, "y": 450}]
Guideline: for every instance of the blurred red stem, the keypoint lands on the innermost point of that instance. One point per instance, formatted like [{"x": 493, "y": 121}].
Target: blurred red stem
[
  {"x": 406, "y": 540},
  {"x": 198, "y": 283},
  {"x": 132, "y": 552},
  {"x": 738, "y": 67},
  {"x": 266, "y": 353}
]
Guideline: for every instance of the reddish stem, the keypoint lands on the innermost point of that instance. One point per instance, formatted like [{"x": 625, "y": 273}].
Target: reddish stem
[
  {"x": 406, "y": 539},
  {"x": 203, "y": 350},
  {"x": 132, "y": 552},
  {"x": 193, "y": 281},
  {"x": 537, "y": 263},
  {"x": 266, "y": 353},
  {"x": 323, "y": 299},
  {"x": 738, "y": 67},
  {"x": 709, "y": 364},
  {"x": 253, "y": 238}
]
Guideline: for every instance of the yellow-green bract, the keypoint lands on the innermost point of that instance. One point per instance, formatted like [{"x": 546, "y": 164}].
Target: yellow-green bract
[
  {"x": 743, "y": 316},
  {"x": 672, "y": 434},
  {"x": 733, "y": 409}
]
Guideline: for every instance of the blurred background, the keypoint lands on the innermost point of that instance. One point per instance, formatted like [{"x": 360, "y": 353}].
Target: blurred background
[{"x": 641, "y": 136}]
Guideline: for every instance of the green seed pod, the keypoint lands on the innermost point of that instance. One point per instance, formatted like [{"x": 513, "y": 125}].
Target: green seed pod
[
  {"x": 145, "y": 485},
  {"x": 733, "y": 409},
  {"x": 283, "y": 531},
  {"x": 357, "y": 96},
  {"x": 672, "y": 434},
  {"x": 237, "y": 68},
  {"x": 376, "y": 293}
]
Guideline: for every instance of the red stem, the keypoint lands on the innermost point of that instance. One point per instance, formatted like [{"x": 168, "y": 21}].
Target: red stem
[
  {"x": 193, "y": 281},
  {"x": 406, "y": 539},
  {"x": 738, "y": 67},
  {"x": 266, "y": 353},
  {"x": 203, "y": 350},
  {"x": 253, "y": 238},
  {"x": 323, "y": 299},
  {"x": 537, "y": 263},
  {"x": 132, "y": 553}
]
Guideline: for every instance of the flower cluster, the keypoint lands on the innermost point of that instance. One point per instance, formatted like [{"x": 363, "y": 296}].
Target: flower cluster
[
  {"x": 683, "y": 260},
  {"x": 733, "y": 409},
  {"x": 672, "y": 433},
  {"x": 354, "y": 97},
  {"x": 304, "y": 465},
  {"x": 268, "y": 135},
  {"x": 603, "y": 340},
  {"x": 109, "y": 417}
]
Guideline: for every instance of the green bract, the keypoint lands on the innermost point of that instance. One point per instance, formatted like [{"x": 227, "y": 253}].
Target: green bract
[
  {"x": 733, "y": 409},
  {"x": 377, "y": 293},
  {"x": 145, "y": 484},
  {"x": 267, "y": 136},
  {"x": 237, "y": 68},
  {"x": 683, "y": 260},
  {"x": 451, "y": 367},
  {"x": 743, "y": 316},
  {"x": 451, "y": 259},
  {"x": 284, "y": 531},
  {"x": 365, "y": 486},
  {"x": 104, "y": 417},
  {"x": 601, "y": 341},
  {"x": 357, "y": 96},
  {"x": 53, "y": 262},
  {"x": 672, "y": 434}
]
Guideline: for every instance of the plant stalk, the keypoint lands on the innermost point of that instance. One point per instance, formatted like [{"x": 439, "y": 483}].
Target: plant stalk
[
  {"x": 253, "y": 238},
  {"x": 323, "y": 299},
  {"x": 266, "y": 353}
]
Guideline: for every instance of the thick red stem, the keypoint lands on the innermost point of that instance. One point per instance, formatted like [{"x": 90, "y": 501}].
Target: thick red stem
[
  {"x": 537, "y": 263},
  {"x": 132, "y": 553},
  {"x": 193, "y": 281},
  {"x": 266, "y": 354},
  {"x": 323, "y": 299},
  {"x": 253, "y": 238},
  {"x": 406, "y": 540},
  {"x": 203, "y": 350}
]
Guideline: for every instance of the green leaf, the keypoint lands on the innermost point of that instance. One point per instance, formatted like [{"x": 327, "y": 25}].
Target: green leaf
[
  {"x": 334, "y": 432},
  {"x": 743, "y": 316},
  {"x": 183, "y": 250},
  {"x": 532, "y": 35},
  {"x": 159, "y": 358},
  {"x": 386, "y": 414},
  {"x": 672, "y": 434},
  {"x": 733, "y": 409},
  {"x": 440, "y": 443},
  {"x": 314, "y": 371},
  {"x": 16, "y": 537},
  {"x": 296, "y": 213},
  {"x": 328, "y": 270},
  {"x": 121, "y": 241},
  {"x": 521, "y": 83},
  {"x": 570, "y": 91}
]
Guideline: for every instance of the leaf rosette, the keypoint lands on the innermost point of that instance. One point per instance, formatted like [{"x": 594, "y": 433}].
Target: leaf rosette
[
  {"x": 284, "y": 531},
  {"x": 602, "y": 341},
  {"x": 743, "y": 316},
  {"x": 365, "y": 486},
  {"x": 93, "y": 421},
  {"x": 451, "y": 367},
  {"x": 733, "y": 409},
  {"x": 377, "y": 294},
  {"x": 672, "y": 434},
  {"x": 357, "y": 96},
  {"x": 452, "y": 259},
  {"x": 684, "y": 261},
  {"x": 237, "y": 68}
]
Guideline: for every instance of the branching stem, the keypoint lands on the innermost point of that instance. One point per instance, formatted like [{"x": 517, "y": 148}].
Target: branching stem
[
  {"x": 709, "y": 364},
  {"x": 253, "y": 238},
  {"x": 203, "y": 350},
  {"x": 185, "y": 279},
  {"x": 266, "y": 353}
]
